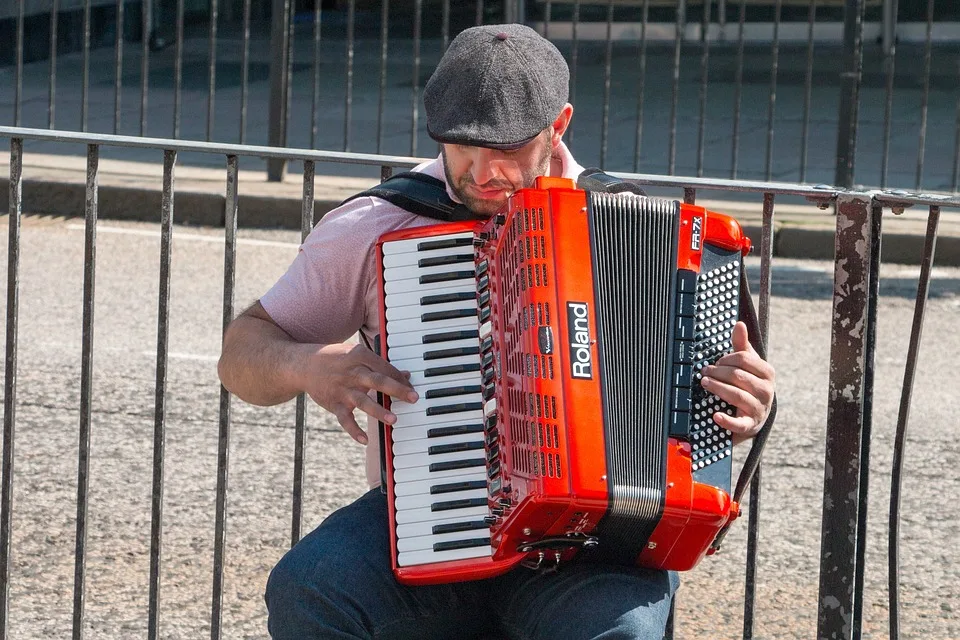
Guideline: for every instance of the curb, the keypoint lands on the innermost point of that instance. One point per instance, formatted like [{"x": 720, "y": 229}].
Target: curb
[{"x": 203, "y": 208}]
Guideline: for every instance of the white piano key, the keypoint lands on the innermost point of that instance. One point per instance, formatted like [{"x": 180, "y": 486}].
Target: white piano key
[
  {"x": 422, "y": 445},
  {"x": 406, "y": 516},
  {"x": 414, "y": 558},
  {"x": 408, "y": 298},
  {"x": 425, "y": 543},
  {"x": 411, "y": 244},
  {"x": 408, "y": 258},
  {"x": 410, "y": 338},
  {"x": 416, "y": 325},
  {"x": 425, "y": 500},
  {"x": 431, "y": 384},
  {"x": 418, "y": 350},
  {"x": 423, "y": 473},
  {"x": 416, "y": 311},
  {"x": 420, "y": 459},
  {"x": 415, "y": 272},
  {"x": 421, "y": 417},
  {"x": 424, "y": 486},
  {"x": 417, "y": 378},
  {"x": 419, "y": 431},
  {"x": 402, "y": 408},
  {"x": 414, "y": 284},
  {"x": 419, "y": 364},
  {"x": 417, "y": 529}
]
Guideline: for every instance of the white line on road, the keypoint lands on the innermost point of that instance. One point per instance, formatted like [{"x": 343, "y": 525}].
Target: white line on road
[
  {"x": 183, "y": 356},
  {"x": 183, "y": 236}
]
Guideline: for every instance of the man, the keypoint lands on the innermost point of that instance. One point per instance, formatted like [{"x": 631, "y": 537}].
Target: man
[{"x": 498, "y": 104}]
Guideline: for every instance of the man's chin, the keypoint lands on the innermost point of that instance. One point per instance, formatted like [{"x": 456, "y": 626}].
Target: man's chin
[{"x": 484, "y": 207}]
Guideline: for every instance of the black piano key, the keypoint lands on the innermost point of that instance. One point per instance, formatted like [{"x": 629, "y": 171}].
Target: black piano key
[
  {"x": 451, "y": 353},
  {"x": 442, "y": 298},
  {"x": 446, "y": 243},
  {"x": 465, "y": 503},
  {"x": 460, "y": 407},
  {"x": 455, "y": 527},
  {"x": 452, "y": 465},
  {"x": 461, "y": 544},
  {"x": 452, "y": 487},
  {"x": 447, "y": 276},
  {"x": 446, "y": 392},
  {"x": 437, "y": 261},
  {"x": 434, "y": 316},
  {"x": 456, "y": 447},
  {"x": 456, "y": 430},
  {"x": 449, "y": 336},
  {"x": 450, "y": 370}
]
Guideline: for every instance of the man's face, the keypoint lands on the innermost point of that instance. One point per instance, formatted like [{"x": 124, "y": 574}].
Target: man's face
[{"x": 483, "y": 179}]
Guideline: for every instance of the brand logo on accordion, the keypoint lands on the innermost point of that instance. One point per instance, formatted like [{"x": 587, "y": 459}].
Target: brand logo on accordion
[
  {"x": 581, "y": 359},
  {"x": 695, "y": 233}
]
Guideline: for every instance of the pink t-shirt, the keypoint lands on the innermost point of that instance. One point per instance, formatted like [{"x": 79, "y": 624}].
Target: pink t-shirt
[{"x": 330, "y": 290}]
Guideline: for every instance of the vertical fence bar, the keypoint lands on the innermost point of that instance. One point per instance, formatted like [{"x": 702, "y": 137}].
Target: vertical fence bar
[
  {"x": 925, "y": 99},
  {"x": 178, "y": 71},
  {"x": 244, "y": 75},
  {"x": 212, "y": 70},
  {"x": 348, "y": 100},
  {"x": 146, "y": 21},
  {"x": 774, "y": 69},
  {"x": 118, "y": 64},
  {"x": 850, "y": 77},
  {"x": 704, "y": 74},
  {"x": 900, "y": 442},
  {"x": 675, "y": 103},
  {"x": 868, "y": 376},
  {"x": 479, "y": 16},
  {"x": 10, "y": 375},
  {"x": 279, "y": 55},
  {"x": 52, "y": 99},
  {"x": 574, "y": 54},
  {"x": 889, "y": 62},
  {"x": 85, "y": 86},
  {"x": 18, "y": 81},
  {"x": 641, "y": 84},
  {"x": 86, "y": 384},
  {"x": 300, "y": 433},
  {"x": 415, "y": 97},
  {"x": 384, "y": 44},
  {"x": 853, "y": 244},
  {"x": 956, "y": 150},
  {"x": 763, "y": 318},
  {"x": 315, "y": 100},
  {"x": 547, "y": 17},
  {"x": 160, "y": 412},
  {"x": 607, "y": 71},
  {"x": 689, "y": 195},
  {"x": 807, "y": 91},
  {"x": 738, "y": 92},
  {"x": 223, "y": 442},
  {"x": 445, "y": 24}
]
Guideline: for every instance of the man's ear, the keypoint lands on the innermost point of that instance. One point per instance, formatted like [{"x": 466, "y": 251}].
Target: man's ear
[{"x": 559, "y": 126}]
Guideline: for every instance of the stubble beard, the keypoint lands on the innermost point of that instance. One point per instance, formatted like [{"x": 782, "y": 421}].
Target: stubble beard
[{"x": 488, "y": 208}]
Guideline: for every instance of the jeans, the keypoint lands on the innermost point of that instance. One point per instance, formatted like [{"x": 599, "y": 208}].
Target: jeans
[{"x": 337, "y": 583}]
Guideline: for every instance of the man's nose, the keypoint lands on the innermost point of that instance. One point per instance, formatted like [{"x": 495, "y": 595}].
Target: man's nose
[{"x": 486, "y": 166}]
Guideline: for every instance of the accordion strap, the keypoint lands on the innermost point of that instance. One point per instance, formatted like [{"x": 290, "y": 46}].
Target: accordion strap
[{"x": 420, "y": 194}]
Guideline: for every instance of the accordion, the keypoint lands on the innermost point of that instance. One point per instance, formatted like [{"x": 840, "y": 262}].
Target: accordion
[{"x": 556, "y": 348}]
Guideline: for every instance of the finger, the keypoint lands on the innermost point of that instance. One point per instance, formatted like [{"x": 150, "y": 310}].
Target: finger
[
  {"x": 740, "y": 425},
  {"x": 375, "y": 410},
  {"x": 349, "y": 424},
  {"x": 746, "y": 403},
  {"x": 388, "y": 385},
  {"x": 744, "y": 361},
  {"x": 741, "y": 338},
  {"x": 381, "y": 366}
]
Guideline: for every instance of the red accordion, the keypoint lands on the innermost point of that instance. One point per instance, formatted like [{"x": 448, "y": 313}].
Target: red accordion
[{"x": 556, "y": 348}]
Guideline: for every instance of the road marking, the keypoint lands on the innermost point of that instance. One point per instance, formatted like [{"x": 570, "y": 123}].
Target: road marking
[
  {"x": 172, "y": 355},
  {"x": 73, "y": 226}
]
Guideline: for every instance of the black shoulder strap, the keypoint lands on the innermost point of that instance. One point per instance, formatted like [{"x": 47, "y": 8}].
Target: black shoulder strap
[
  {"x": 420, "y": 194},
  {"x": 594, "y": 179}
]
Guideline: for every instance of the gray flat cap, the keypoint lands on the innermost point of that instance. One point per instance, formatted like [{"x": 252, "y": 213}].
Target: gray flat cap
[{"x": 497, "y": 86}]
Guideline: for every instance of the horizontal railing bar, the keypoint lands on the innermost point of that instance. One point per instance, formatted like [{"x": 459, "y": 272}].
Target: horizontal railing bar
[{"x": 134, "y": 142}]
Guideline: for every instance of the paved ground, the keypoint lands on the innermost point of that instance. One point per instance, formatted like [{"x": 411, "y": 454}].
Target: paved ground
[{"x": 262, "y": 443}]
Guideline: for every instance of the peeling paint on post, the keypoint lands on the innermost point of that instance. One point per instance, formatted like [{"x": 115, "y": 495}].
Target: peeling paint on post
[{"x": 842, "y": 462}]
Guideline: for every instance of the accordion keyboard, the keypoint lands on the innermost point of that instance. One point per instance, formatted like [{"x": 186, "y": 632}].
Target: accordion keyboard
[{"x": 437, "y": 444}]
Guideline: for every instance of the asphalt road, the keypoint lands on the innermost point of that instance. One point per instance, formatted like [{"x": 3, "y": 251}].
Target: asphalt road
[{"x": 710, "y": 601}]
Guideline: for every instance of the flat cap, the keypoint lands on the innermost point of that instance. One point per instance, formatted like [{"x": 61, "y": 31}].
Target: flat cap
[{"x": 496, "y": 86}]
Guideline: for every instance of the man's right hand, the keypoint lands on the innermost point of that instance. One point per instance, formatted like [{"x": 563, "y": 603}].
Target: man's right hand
[{"x": 339, "y": 377}]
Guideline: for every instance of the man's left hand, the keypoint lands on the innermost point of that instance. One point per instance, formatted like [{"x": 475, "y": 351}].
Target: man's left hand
[{"x": 744, "y": 380}]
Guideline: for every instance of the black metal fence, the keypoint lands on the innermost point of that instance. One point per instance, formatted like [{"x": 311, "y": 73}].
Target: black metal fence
[
  {"x": 848, "y": 424},
  {"x": 814, "y": 91}
]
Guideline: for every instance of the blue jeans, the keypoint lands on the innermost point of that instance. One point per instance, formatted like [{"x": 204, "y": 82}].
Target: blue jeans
[{"x": 337, "y": 583}]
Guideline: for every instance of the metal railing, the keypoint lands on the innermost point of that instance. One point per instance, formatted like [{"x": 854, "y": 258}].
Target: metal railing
[
  {"x": 848, "y": 423},
  {"x": 698, "y": 92}
]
